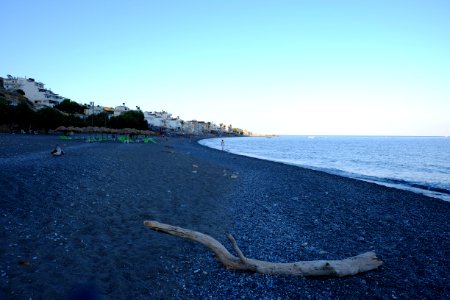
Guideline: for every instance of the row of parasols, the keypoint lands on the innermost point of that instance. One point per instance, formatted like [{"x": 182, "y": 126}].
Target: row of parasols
[{"x": 92, "y": 129}]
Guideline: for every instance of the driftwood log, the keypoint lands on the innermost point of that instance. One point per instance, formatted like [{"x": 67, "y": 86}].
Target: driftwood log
[{"x": 338, "y": 268}]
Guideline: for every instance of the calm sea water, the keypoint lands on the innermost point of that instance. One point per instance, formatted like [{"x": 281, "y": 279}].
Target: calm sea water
[{"x": 419, "y": 164}]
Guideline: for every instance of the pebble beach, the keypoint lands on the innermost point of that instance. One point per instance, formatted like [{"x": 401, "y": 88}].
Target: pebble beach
[{"x": 73, "y": 225}]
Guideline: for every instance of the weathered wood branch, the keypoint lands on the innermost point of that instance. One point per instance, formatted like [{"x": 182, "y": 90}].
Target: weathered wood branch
[
  {"x": 236, "y": 248},
  {"x": 346, "y": 267}
]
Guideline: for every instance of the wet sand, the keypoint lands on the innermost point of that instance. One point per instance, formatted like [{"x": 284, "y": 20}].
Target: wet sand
[{"x": 73, "y": 224}]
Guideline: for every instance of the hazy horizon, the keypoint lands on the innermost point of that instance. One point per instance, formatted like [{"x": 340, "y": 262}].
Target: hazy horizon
[{"x": 276, "y": 67}]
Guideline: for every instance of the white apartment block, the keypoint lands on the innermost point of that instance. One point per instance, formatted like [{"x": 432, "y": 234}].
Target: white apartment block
[
  {"x": 162, "y": 119},
  {"x": 34, "y": 91},
  {"x": 154, "y": 119}
]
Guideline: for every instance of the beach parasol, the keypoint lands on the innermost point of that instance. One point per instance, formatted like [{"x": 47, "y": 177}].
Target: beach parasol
[
  {"x": 73, "y": 129},
  {"x": 61, "y": 128}
]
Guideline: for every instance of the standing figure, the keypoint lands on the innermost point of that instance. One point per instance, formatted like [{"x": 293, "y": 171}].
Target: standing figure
[{"x": 222, "y": 143}]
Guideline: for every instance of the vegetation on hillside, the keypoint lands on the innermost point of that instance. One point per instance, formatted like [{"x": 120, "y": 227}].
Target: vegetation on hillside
[
  {"x": 70, "y": 107},
  {"x": 129, "y": 119},
  {"x": 23, "y": 116}
]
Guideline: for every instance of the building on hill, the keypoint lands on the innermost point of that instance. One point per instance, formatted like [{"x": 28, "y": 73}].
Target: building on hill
[
  {"x": 118, "y": 110},
  {"x": 93, "y": 110},
  {"x": 162, "y": 119},
  {"x": 34, "y": 91},
  {"x": 196, "y": 127},
  {"x": 11, "y": 98},
  {"x": 109, "y": 110},
  {"x": 174, "y": 124}
]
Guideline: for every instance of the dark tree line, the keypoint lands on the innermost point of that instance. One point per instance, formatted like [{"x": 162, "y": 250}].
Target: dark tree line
[
  {"x": 70, "y": 107},
  {"x": 129, "y": 119},
  {"x": 67, "y": 113}
]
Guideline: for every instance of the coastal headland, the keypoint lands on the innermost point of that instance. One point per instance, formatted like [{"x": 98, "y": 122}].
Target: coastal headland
[{"x": 74, "y": 224}]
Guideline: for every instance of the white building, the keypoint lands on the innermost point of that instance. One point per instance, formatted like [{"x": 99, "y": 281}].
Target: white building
[
  {"x": 93, "y": 110},
  {"x": 214, "y": 127},
  {"x": 162, "y": 119},
  {"x": 153, "y": 119},
  {"x": 174, "y": 124},
  {"x": 118, "y": 110},
  {"x": 34, "y": 90},
  {"x": 196, "y": 127}
]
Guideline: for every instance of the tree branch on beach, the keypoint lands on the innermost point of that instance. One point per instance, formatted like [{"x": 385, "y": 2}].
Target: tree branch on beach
[{"x": 337, "y": 268}]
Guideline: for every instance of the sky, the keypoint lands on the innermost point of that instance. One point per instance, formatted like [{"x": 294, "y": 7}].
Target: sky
[{"x": 281, "y": 67}]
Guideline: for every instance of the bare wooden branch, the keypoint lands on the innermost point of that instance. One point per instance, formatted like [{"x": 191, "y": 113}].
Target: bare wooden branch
[
  {"x": 236, "y": 248},
  {"x": 346, "y": 267}
]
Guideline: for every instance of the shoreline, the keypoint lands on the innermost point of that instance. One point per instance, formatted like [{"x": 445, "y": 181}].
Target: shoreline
[
  {"x": 415, "y": 187},
  {"x": 96, "y": 197}
]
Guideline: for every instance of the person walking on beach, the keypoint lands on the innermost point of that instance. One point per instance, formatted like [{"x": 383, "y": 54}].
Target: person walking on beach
[{"x": 222, "y": 143}]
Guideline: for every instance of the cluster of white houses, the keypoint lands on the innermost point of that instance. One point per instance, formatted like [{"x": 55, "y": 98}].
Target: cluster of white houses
[
  {"x": 165, "y": 120},
  {"x": 41, "y": 97},
  {"x": 33, "y": 90}
]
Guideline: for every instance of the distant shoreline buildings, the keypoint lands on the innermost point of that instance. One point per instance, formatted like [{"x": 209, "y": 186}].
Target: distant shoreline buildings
[{"x": 40, "y": 97}]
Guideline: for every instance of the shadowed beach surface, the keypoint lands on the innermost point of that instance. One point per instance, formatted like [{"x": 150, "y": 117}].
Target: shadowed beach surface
[{"x": 74, "y": 224}]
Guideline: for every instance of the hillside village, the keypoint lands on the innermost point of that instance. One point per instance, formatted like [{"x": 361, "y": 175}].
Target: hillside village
[{"x": 15, "y": 90}]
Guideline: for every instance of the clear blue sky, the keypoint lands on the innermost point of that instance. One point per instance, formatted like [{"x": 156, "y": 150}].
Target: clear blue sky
[{"x": 286, "y": 67}]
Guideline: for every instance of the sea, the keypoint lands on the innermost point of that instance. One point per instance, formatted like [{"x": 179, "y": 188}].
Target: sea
[{"x": 418, "y": 164}]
